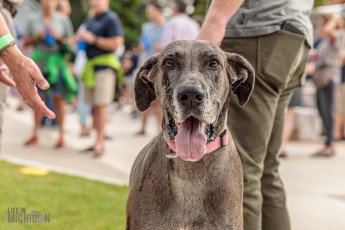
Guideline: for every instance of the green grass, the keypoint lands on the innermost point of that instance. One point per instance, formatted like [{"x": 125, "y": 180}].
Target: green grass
[{"x": 71, "y": 202}]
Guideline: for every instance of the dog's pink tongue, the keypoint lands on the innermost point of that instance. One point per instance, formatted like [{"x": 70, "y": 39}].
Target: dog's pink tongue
[{"x": 191, "y": 140}]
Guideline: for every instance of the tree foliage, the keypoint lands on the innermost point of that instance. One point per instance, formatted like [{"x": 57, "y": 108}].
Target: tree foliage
[
  {"x": 200, "y": 7},
  {"x": 132, "y": 14},
  {"x": 79, "y": 12},
  {"x": 319, "y": 3}
]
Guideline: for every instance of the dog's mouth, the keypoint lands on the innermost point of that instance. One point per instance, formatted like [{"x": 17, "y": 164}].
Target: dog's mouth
[{"x": 190, "y": 137}]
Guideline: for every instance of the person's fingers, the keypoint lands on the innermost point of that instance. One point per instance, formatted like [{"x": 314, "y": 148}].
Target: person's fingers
[
  {"x": 29, "y": 91},
  {"x": 45, "y": 111},
  {"x": 36, "y": 103}
]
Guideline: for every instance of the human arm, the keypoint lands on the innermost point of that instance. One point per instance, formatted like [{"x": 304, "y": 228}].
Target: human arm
[
  {"x": 105, "y": 43},
  {"x": 4, "y": 78},
  {"x": 25, "y": 74},
  {"x": 218, "y": 15},
  {"x": 31, "y": 40}
]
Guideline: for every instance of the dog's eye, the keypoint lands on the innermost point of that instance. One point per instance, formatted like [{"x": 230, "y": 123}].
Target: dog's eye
[
  {"x": 213, "y": 63},
  {"x": 169, "y": 64}
]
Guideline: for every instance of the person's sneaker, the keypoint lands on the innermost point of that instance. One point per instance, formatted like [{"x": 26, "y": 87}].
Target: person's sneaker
[{"x": 33, "y": 140}]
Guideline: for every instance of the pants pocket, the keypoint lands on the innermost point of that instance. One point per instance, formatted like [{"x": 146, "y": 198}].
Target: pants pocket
[{"x": 278, "y": 57}]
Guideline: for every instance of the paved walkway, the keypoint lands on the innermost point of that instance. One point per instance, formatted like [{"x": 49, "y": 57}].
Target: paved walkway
[{"x": 315, "y": 187}]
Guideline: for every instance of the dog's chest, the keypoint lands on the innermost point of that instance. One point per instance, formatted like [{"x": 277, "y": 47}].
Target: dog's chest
[
  {"x": 189, "y": 196},
  {"x": 185, "y": 189}
]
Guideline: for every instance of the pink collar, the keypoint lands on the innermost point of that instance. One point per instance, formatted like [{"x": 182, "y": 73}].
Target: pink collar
[{"x": 220, "y": 141}]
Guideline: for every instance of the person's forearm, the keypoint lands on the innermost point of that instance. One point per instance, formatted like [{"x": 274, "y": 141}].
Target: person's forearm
[
  {"x": 9, "y": 54},
  {"x": 218, "y": 15},
  {"x": 220, "y": 11},
  {"x": 109, "y": 43}
]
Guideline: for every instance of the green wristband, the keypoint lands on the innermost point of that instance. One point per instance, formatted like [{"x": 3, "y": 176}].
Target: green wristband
[{"x": 6, "y": 40}]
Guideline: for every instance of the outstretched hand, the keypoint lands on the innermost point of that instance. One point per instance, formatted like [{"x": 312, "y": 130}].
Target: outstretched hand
[{"x": 27, "y": 75}]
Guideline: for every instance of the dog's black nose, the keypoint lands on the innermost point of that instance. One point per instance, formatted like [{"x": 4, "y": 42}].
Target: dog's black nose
[{"x": 190, "y": 94}]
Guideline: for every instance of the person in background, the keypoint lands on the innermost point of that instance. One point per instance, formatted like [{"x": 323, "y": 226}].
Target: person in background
[
  {"x": 64, "y": 8},
  {"x": 84, "y": 109},
  {"x": 275, "y": 37},
  {"x": 47, "y": 32},
  {"x": 180, "y": 26},
  {"x": 339, "y": 125},
  {"x": 296, "y": 100},
  {"x": 129, "y": 65},
  {"x": 151, "y": 42},
  {"x": 289, "y": 120},
  {"x": 328, "y": 67},
  {"x": 103, "y": 35}
]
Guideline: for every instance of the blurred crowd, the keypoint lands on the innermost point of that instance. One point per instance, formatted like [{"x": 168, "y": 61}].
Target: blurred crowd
[{"x": 90, "y": 69}]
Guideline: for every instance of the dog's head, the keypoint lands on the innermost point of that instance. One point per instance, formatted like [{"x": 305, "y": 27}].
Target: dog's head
[{"x": 193, "y": 80}]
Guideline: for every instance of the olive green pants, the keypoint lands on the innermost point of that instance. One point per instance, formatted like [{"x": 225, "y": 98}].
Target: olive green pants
[{"x": 279, "y": 62}]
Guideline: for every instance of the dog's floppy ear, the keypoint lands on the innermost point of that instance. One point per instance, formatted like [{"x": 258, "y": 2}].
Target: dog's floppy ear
[
  {"x": 241, "y": 75},
  {"x": 143, "y": 86}
]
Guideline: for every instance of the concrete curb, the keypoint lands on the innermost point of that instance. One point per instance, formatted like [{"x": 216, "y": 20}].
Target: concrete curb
[{"x": 62, "y": 170}]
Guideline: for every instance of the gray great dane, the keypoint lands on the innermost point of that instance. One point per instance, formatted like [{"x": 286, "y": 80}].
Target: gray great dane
[{"x": 190, "y": 175}]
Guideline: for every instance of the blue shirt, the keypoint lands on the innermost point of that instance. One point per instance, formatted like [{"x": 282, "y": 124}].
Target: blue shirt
[
  {"x": 105, "y": 25},
  {"x": 151, "y": 35}
]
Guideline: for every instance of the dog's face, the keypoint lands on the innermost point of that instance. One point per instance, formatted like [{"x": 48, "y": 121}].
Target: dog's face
[{"x": 192, "y": 80}]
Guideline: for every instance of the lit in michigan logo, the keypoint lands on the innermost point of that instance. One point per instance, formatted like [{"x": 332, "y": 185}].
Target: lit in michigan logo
[{"x": 19, "y": 215}]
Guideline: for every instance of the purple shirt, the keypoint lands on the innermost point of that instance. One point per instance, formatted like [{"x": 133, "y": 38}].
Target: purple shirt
[{"x": 180, "y": 27}]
